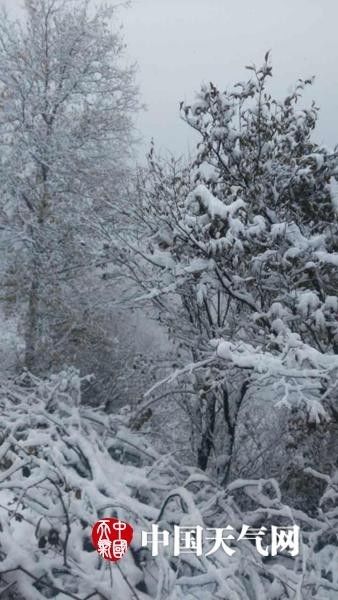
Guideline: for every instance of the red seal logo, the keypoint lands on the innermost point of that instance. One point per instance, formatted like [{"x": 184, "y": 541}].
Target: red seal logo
[{"x": 111, "y": 538}]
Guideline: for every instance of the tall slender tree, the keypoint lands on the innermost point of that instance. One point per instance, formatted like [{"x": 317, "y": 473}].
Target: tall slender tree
[{"x": 68, "y": 97}]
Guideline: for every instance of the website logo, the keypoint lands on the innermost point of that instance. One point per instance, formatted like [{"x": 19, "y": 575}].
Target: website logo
[{"x": 111, "y": 538}]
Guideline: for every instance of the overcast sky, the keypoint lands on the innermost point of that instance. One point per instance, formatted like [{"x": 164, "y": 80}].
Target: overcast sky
[{"x": 180, "y": 43}]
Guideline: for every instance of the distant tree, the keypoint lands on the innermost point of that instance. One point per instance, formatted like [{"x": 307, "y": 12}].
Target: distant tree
[
  {"x": 239, "y": 250},
  {"x": 67, "y": 99}
]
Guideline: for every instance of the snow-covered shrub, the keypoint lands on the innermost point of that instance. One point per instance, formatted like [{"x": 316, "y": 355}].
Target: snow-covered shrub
[{"x": 64, "y": 466}]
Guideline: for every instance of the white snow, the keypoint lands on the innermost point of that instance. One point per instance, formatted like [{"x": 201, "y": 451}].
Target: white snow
[{"x": 213, "y": 205}]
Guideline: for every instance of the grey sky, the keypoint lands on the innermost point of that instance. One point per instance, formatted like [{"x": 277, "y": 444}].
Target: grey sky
[{"x": 180, "y": 43}]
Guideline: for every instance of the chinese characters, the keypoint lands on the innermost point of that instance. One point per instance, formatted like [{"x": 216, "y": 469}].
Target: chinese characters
[{"x": 199, "y": 541}]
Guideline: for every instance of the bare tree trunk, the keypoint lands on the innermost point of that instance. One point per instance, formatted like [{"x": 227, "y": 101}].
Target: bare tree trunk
[
  {"x": 206, "y": 442},
  {"x": 33, "y": 316},
  {"x": 32, "y": 325},
  {"x": 232, "y": 423}
]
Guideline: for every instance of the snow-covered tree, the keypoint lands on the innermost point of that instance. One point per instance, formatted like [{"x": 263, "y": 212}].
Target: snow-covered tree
[
  {"x": 68, "y": 97},
  {"x": 239, "y": 250}
]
